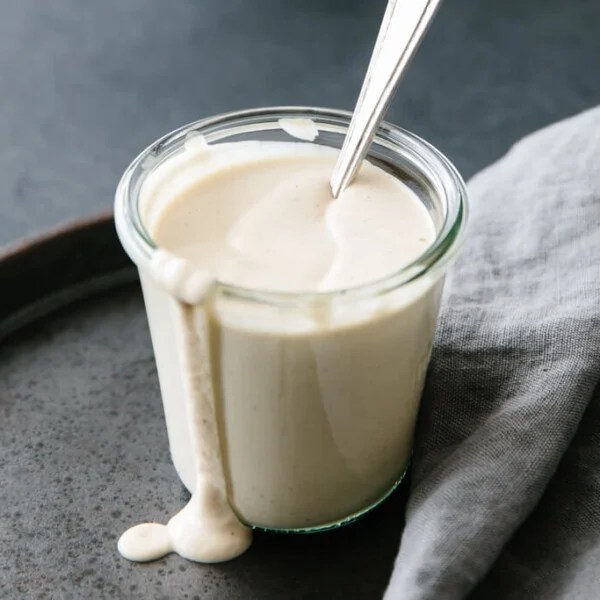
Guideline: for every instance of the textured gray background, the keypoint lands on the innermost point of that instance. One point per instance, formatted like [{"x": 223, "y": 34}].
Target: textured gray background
[{"x": 84, "y": 85}]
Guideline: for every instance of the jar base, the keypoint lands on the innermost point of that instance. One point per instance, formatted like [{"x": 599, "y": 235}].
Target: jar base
[{"x": 341, "y": 522}]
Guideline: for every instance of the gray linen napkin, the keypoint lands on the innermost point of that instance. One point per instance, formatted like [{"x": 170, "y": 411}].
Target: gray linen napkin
[{"x": 505, "y": 499}]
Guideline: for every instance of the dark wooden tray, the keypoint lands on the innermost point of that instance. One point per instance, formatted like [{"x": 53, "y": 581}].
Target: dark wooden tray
[{"x": 84, "y": 455}]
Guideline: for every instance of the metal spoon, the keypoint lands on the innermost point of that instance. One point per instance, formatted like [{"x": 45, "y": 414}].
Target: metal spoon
[{"x": 404, "y": 25}]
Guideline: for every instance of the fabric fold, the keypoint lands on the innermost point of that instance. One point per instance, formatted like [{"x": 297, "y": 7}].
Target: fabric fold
[{"x": 515, "y": 364}]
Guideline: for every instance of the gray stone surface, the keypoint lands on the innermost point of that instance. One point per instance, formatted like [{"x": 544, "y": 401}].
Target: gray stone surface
[
  {"x": 84, "y": 455},
  {"x": 84, "y": 86}
]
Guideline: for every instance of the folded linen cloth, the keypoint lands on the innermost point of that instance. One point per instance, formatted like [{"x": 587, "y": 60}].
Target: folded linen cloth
[{"x": 505, "y": 498}]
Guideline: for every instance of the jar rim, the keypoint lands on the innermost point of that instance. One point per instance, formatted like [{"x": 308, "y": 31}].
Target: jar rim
[{"x": 419, "y": 153}]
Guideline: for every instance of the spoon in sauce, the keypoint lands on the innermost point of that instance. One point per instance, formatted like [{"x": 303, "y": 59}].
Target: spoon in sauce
[{"x": 404, "y": 25}]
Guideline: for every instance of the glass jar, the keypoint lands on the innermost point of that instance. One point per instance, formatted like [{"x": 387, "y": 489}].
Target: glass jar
[{"x": 316, "y": 394}]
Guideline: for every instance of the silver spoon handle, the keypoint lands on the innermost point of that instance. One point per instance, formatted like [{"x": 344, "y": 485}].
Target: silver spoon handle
[{"x": 404, "y": 24}]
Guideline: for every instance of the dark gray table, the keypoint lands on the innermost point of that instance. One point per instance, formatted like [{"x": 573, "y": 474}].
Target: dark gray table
[{"x": 85, "y": 85}]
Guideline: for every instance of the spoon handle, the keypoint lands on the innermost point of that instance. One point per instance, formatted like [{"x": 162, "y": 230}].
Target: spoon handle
[{"x": 404, "y": 24}]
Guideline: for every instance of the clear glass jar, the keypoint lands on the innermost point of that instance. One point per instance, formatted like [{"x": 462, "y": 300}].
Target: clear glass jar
[{"x": 316, "y": 417}]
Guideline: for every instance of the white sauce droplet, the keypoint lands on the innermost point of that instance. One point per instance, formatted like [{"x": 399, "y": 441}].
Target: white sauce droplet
[
  {"x": 195, "y": 141},
  {"x": 145, "y": 542},
  {"x": 206, "y": 529},
  {"x": 303, "y": 129},
  {"x": 180, "y": 277}
]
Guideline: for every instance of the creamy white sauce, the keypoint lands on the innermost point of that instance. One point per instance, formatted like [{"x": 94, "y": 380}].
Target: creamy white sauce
[
  {"x": 180, "y": 277},
  {"x": 302, "y": 129},
  {"x": 260, "y": 215},
  {"x": 206, "y": 529}
]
